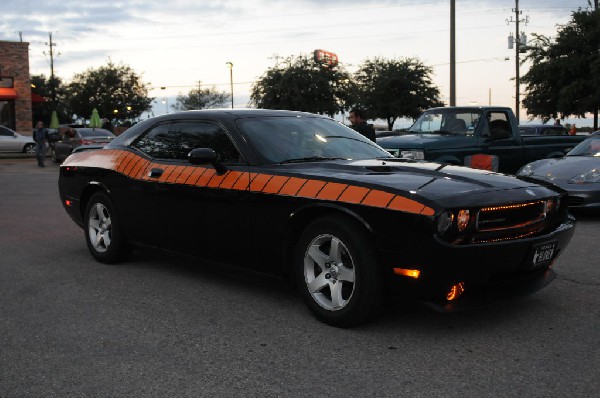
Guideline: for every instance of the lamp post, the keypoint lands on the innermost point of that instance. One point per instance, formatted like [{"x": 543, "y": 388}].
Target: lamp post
[
  {"x": 166, "y": 102},
  {"x": 230, "y": 64}
]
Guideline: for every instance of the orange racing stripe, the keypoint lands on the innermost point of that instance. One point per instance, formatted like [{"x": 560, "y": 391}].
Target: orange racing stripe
[{"x": 137, "y": 167}]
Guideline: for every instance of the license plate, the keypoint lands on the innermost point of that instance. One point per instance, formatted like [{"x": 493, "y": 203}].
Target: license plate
[{"x": 543, "y": 254}]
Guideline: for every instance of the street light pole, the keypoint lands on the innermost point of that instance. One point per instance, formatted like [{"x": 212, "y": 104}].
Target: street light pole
[{"x": 230, "y": 64}]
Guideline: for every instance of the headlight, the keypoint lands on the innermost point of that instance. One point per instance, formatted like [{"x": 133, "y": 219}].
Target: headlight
[
  {"x": 418, "y": 155},
  {"x": 462, "y": 220},
  {"x": 444, "y": 222},
  {"x": 585, "y": 178},
  {"x": 525, "y": 171}
]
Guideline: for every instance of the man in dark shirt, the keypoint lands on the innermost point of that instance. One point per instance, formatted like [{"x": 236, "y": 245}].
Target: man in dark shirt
[
  {"x": 40, "y": 135},
  {"x": 359, "y": 124}
]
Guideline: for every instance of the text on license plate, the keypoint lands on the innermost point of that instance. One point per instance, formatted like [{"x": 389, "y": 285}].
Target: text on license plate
[{"x": 543, "y": 253}]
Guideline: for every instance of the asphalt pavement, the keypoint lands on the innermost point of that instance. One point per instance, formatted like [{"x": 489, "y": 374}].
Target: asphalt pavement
[{"x": 162, "y": 325}]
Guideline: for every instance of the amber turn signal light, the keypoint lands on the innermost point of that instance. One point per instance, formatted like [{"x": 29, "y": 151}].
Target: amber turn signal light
[
  {"x": 455, "y": 291},
  {"x": 412, "y": 273}
]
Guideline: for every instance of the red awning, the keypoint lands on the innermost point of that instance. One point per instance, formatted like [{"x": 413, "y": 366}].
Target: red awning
[
  {"x": 7, "y": 93},
  {"x": 36, "y": 98}
]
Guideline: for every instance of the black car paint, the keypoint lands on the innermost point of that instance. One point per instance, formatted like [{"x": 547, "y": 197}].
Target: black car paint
[{"x": 258, "y": 230}]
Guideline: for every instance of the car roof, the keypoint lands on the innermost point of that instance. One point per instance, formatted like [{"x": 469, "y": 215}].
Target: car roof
[{"x": 234, "y": 114}]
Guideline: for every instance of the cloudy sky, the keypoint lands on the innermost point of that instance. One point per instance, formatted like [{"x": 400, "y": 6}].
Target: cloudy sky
[{"x": 177, "y": 43}]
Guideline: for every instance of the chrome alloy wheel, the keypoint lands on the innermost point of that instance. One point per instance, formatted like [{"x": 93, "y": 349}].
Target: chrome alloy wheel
[
  {"x": 99, "y": 227},
  {"x": 329, "y": 272}
]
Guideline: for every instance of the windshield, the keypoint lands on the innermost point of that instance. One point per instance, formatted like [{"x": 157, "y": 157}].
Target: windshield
[
  {"x": 296, "y": 139},
  {"x": 447, "y": 122},
  {"x": 589, "y": 147}
]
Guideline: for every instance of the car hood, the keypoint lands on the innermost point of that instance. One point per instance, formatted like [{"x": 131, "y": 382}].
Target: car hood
[
  {"x": 447, "y": 184},
  {"x": 564, "y": 168}
]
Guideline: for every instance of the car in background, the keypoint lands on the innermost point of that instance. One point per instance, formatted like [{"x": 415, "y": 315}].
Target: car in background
[
  {"x": 76, "y": 137},
  {"x": 542, "y": 129},
  {"x": 11, "y": 141},
  {"x": 578, "y": 173}
]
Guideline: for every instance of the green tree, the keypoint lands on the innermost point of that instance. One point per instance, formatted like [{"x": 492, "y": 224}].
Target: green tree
[
  {"x": 42, "y": 86},
  {"x": 201, "y": 99},
  {"x": 393, "y": 88},
  {"x": 297, "y": 83},
  {"x": 109, "y": 88},
  {"x": 564, "y": 77}
]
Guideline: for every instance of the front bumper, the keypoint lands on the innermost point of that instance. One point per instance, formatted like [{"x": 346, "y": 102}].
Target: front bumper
[{"x": 488, "y": 271}]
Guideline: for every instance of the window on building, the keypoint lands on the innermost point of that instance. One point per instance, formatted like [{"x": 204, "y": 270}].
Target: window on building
[
  {"x": 7, "y": 82},
  {"x": 7, "y": 114}
]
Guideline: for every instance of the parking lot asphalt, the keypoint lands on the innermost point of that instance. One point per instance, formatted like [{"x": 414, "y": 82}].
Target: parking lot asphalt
[{"x": 161, "y": 325}]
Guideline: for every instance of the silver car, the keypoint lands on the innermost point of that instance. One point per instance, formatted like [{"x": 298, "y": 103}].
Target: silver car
[
  {"x": 79, "y": 137},
  {"x": 11, "y": 141}
]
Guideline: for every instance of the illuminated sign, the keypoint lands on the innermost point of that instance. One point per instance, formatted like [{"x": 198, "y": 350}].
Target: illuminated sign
[{"x": 325, "y": 58}]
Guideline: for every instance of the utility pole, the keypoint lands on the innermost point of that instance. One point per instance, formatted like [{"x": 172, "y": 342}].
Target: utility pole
[
  {"x": 517, "y": 42},
  {"x": 452, "y": 53},
  {"x": 517, "y": 77},
  {"x": 52, "y": 82}
]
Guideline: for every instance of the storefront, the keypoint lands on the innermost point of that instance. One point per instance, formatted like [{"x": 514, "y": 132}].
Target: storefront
[{"x": 15, "y": 87}]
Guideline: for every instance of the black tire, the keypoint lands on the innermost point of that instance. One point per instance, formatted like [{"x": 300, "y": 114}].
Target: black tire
[
  {"x": 29, "y": 148},
  {"x": 53, "y": 154},
  {"x": 102, "y": 230},
  {"x": 330, "y": 293}
]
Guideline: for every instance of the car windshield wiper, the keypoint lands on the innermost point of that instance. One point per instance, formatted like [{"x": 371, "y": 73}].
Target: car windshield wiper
[{"x": 310, "y": 159}]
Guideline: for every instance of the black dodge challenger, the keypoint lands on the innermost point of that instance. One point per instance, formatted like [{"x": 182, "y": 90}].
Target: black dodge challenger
[{"x": 302, "y": 196}]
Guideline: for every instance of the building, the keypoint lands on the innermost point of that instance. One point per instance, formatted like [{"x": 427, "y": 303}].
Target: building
[{"x": 15, "y": 87}]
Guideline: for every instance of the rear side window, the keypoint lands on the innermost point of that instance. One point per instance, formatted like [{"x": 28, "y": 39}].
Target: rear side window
[
  {"x": 173, "y": 141},
  {"x": 554, "y": 131}
]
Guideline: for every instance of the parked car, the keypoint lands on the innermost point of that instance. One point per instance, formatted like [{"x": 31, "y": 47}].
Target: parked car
[
  {"x": 11, "y": 141},
  {"x": 75, "y": 137},
  {"x": 449, "y": 134},
  {"x": 542, "y": 129},
  {"x": 578, "y": 173},
  {"x": 306, "y": 198}
]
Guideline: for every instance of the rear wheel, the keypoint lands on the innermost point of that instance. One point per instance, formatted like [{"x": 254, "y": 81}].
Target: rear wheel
[
  {"x": 102, "y": 230},
  {"x": 337, "y": 272}
]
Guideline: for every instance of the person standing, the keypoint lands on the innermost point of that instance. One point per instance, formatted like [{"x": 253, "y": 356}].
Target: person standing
[
  {"x": 557, "y": 122},
  {"x": 40, "y": 136},
  {"x": 573, "y": 130},
  {"x": 359, "y": 124}
]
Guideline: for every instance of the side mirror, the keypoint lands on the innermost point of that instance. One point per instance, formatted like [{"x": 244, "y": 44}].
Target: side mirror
[{"x": 200, "y": 156}]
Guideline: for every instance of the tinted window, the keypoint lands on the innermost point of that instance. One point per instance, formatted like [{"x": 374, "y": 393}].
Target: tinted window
[
  {"x": 447, "y": 121},
  {"x": 497, "y": 123},
  {"x": 5, "y": 132},
  {"x": 95, "y": 133},
  {"x": 554, "y": 131},
  {"x": 589, "y": 147},
  {"x": 175, "y": 140},
  {"x": 280, "y": 139},
  {"x": 527, "y": 130}
]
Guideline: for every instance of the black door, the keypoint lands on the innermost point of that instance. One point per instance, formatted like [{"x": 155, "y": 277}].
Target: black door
[{"x": 198, "y": 210}]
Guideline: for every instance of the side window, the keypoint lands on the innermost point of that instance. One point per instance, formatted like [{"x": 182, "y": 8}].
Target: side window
[
  {"x": 173, "y": 141},
  {"x": 5, "y": 132},
  {"x": 497, "y": 124}
]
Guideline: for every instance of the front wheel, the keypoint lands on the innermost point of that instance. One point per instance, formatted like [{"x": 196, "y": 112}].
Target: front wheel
[
  {"x": 102, "y": 230},
  {"x": 29, "y": 148},
  {"x": 337, "y": 272}
]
